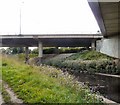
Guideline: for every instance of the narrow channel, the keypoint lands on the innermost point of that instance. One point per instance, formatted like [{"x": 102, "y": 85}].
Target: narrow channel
[{"x": 107, "y": 86}]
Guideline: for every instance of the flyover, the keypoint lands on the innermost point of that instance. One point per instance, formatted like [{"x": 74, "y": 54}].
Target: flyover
[
  {"x": 50, "y": 40},
  {"x": 107, "y": 15}
]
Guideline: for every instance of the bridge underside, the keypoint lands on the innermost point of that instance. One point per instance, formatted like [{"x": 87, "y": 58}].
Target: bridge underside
[
  {"x": 107, "y": 15},
  {"x": 47, "y": 42}
]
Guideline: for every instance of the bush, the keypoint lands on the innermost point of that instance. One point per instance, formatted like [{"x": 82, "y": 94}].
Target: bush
[
  {"x": 49, "y": 51},
  {"x": 102, "y": 66},
  {"x": 72, "y": 50},
  {"x": 22, "y": 56}
]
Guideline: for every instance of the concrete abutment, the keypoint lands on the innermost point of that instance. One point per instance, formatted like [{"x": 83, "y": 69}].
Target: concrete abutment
[{"x": 110, "y": 46}]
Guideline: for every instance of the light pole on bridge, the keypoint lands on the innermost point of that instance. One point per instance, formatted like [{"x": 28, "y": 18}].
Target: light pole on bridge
[{"x": 21, "y": 3}]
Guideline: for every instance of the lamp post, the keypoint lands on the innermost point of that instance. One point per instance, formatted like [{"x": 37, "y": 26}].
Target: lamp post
[{"x": 21, "y": 2}]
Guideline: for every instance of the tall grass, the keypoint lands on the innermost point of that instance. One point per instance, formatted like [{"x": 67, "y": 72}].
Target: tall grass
[{"x": 44, "y": 84}]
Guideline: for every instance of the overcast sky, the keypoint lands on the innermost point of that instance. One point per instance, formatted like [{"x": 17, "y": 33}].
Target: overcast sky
[{"x": 46, "y": 17}]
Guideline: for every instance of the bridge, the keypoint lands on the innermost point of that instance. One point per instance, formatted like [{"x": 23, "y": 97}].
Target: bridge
[
  {"x": 107, "y": 15},
  {"x": 51, "y": 40}
]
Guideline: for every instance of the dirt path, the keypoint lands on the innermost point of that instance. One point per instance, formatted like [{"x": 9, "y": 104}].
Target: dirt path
[
  {"x": 13, "y": 97},
  {"x": 1, "y": 99},
  {"x": 62, "y": 56}
]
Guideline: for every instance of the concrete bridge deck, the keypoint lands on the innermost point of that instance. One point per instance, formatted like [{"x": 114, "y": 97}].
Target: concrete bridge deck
[{"x": 61, "y": 40}]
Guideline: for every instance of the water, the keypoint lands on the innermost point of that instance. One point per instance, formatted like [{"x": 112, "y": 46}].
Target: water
[{"x": 108, "y": 86}]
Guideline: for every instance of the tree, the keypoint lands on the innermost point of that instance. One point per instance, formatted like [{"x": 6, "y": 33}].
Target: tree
[
  {"x": 35, "y": 51},
  {"x": 21, "y": 50},
  {"x": 15, "y": 50},
  {"x": 2, "y": 51},
  {"x": 9, "y": 50}
]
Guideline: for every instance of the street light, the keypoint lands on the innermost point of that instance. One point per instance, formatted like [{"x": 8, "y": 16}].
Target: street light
[{"x": 21, "y": 2}]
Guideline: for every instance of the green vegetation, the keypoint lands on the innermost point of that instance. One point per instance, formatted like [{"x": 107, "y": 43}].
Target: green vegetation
[
  {"x": 44, "y": 84},
  {"x": 89, "y": 55},
  {"x": 14, "y": 50},
  {"x": 52, "y": 50},
  {"x": 70, "y": 50},
  {"x": 22, "y": 56},
  {"x": 87, "y": 61}
]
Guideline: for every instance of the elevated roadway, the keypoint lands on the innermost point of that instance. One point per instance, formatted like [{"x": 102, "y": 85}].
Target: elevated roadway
[
  {"x": 107, "y": 15},
  {"x": 58, "y": 40}
]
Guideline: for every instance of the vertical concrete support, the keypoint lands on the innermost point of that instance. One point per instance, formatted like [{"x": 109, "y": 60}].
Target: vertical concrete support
[
  {"x": 119, "y": 51},
  {"x": 40, "y": 50},
  {"x": 109, "y": 46},
  {"x": 26, "y": 54},
  {"x": 93, "y": 45},
  {"x": 118, "y": 63},
  {"x": 119, "y": 47},
  {"x": 56, "y": 50}
]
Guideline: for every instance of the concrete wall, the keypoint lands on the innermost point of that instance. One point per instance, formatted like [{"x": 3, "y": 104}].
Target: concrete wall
[{"x": 109, "y": 46}]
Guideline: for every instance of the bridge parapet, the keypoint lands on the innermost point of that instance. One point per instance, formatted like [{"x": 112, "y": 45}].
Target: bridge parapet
[{"x": 53, "y": 36}]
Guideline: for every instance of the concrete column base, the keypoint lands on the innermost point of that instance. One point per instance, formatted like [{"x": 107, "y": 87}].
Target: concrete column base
[
  {"x": 117, "y": 62},
  {"x": 109, "y": 46},
  {"x": 93, "y": 45},
  {"x": 56, "y": 50},
  {"x": 40, "y": 49},
  {"x": 26, "y": 54}
]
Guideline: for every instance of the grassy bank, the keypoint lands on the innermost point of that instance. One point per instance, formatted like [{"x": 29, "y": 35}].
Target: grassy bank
[
  {"x": 87, "y": 61},
  {"x": 44, "y": 84},
  {"x": 89, "y": 55}
]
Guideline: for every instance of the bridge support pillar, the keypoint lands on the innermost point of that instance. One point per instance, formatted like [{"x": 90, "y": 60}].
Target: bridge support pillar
[
  {"x": 40, "y": 50},
  {"x": 118, "y": 63},
  {"x": 26, "y": 54},
  {"x": 109, "y": 46},
  {"x": 93, "y": 45},
  {"x": 56, "y": 50}
]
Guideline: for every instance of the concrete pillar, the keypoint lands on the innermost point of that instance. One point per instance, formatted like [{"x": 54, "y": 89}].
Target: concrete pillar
[
  {"x": 40, "y": 50},
  {"x": 109, "y": 46},
  {"x": 56, "y": 50},
  {"x": 87, "y": 48},
  {"x": 117, "y": 61},
  {"x": 26, "y": 54},
  {"x": 93, "y": 45}
]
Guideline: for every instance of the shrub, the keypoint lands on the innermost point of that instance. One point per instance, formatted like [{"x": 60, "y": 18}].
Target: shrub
[{"x": 102, "y": 66}]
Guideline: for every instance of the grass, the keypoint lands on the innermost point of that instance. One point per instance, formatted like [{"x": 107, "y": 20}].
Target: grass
[
  {"x": 22, "y": 56},
  {"x": 89, "y": 55},
  {"x": 44, "y": 84}
]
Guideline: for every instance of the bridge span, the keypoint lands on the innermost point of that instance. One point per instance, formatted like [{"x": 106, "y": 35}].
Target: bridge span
[
  {"x": 51, "y": 40},
  {"x": 107, "y": 15}
]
